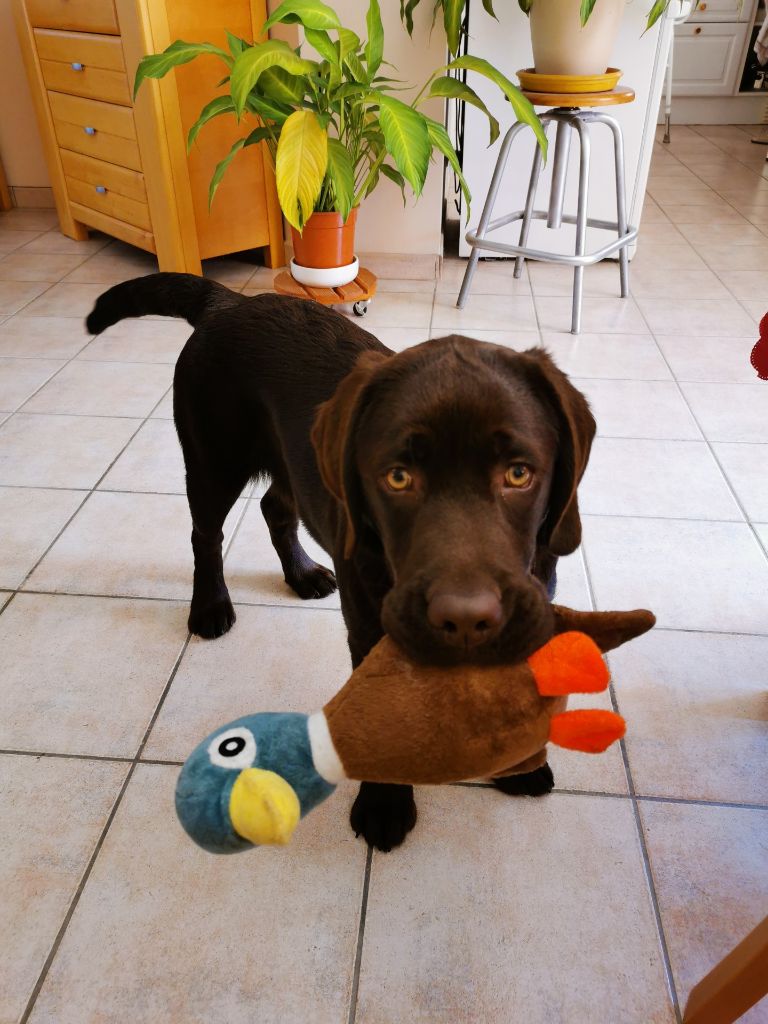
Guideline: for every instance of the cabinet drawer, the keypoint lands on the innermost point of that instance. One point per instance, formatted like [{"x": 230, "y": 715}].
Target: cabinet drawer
[
  {"x": 112, "y": 204},
  {"x": 87, "y": 48},
  {"x": 88, "y": 169},
  {"x": 707, "y": 59},
  {"x": 86, "y": 81},
  {"x": 88, "y": 113},
  {"x": 722, "y": 10},
  {"x": 103, "y": 145},
  {"x": 80, "y": 15}
]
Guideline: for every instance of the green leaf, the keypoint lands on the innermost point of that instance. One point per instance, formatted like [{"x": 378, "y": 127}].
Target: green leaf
[
  {"x": 349, "y": 42},
  {"x": 277, "y": 84},
  {"x": 525, "y": 6},
  {"x": 522, "y": 107},
  {"x": 407, "y": 139},
  {"x": 236, "y": 44},
  {"x": 396, "y": 176},
  {"x": 488, "y": 6},
  {"x": 656, "y": 12},
  {"x": 300, "y": 165},
  {"x": 356, "y": 69},
  {"x": 374, "y": 50},
  {"x": 157, "y": 65},
  {"x": 440, "y": 139},
  {"x": 342, "y": 176},
  {"x": 322, "y": 43},
  {"x": 585, "y": 10},
  {"x": 219, "y": 105},
  {"x": 309, "y": 13},
  {"x": 257, "y": 59},
  {"x": 454, "y": 89},
  {"x": 268, "y": 109},
  {"x": 257, "y": 135},
  {"x": 453, "y": 12}
]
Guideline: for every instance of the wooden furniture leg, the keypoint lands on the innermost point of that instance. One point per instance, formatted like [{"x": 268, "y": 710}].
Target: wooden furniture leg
[{"x": 734, "y": 985}]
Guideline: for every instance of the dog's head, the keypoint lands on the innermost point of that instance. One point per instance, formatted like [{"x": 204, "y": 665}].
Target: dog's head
[{"x": 461, "y": 460}]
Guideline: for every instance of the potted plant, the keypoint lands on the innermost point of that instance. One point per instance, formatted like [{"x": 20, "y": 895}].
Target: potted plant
[
  {"x": 333, "y": 125},
  {"x": 569, "y": 37}
]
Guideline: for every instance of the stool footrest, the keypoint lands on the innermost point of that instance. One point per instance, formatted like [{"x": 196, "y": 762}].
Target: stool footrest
[{"x": 508, "y": 249}]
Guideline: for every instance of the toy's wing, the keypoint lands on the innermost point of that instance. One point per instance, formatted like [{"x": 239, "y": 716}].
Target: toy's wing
[
  {"x": 569, "y": 663},
  {"x": 591, "y": 731}
]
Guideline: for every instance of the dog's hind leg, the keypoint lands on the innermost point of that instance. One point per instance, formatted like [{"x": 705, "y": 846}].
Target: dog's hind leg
[
  {"x": 211, "y": 496},
  {"x": 305, "y": 576}
]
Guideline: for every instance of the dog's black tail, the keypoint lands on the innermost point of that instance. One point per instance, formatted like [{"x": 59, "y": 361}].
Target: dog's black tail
[{"x": 182, "y": 295}]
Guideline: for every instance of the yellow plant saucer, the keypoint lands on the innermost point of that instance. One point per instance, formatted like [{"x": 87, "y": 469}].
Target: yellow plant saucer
[{"x": 533, "y": 82}]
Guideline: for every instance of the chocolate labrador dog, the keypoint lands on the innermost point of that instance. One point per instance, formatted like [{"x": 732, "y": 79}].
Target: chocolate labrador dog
[{"x": 441, "y": 480}]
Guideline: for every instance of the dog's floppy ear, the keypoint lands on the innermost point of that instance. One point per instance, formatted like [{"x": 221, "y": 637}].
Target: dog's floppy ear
[
  {"x": 333, "y": 435},
  {"x": 561, "y": 530}
]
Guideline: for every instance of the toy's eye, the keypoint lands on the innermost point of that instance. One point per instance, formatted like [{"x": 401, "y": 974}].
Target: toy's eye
[{"x": 235, "y": 748}]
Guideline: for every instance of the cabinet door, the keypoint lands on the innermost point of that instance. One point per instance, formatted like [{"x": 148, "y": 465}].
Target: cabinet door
[
  {"x": 707, "y": 59},
  {"x": 724, "y": 10}
]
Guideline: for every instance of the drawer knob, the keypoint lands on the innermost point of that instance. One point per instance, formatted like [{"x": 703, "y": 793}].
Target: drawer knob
[
  {"x": 697, "y": 30},
  {"x": 76, "y": 66},
  {"x": 101, "y": 189},
  {"x": 88, "y": 130}
]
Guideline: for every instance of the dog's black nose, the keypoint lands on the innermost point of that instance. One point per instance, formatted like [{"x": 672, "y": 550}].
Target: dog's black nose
[{"x": 465, "y": 620}]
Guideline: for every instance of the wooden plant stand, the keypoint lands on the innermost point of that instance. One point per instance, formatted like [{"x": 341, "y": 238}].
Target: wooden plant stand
[{"x": 359, "y": 292}]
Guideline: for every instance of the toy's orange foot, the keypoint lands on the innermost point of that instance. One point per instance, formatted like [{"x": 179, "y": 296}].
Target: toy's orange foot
[
  {"x": 569, "y": 663},
  {"x": 591, "y": 731}
]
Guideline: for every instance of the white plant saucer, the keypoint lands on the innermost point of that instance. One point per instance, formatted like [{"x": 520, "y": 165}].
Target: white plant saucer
[{"x": 331, "y": 277}]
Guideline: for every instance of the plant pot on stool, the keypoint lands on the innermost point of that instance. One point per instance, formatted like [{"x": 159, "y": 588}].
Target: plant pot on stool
[{"x": 562, "y": 46}]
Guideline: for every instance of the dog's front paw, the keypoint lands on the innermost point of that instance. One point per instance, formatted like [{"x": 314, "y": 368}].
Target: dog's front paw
[
  {"x": 383, "y": 814},
  {"x": 312, "y": 581},
  {"x": 537, "y": 783},
  {"x": 211, "y": 620}
]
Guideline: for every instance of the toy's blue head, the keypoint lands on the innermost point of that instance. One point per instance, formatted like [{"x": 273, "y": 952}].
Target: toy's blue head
[{"x": 249, "y": 783}]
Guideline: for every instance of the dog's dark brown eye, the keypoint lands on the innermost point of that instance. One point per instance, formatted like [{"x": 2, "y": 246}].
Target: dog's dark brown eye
[
  {"x": 399, "y": 479},
  {"x": 518, "y": 475}
]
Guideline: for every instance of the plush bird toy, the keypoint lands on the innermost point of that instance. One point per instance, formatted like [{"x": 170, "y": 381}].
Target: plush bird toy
[{"x": 249, "y": 783}]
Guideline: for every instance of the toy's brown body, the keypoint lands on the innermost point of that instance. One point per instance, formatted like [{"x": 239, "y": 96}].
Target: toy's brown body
[{"x": 437, "y": 725}]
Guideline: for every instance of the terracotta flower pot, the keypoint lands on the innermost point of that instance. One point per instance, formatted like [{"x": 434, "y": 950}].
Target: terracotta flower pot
[
  {"x": 562, "y": 47},
  {"x": 326, "y": 241}
]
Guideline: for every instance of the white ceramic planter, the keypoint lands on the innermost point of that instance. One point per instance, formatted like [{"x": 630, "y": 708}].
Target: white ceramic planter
[
  {"x": 562, "y": 47},
  {"x": 330, "y": 277}
]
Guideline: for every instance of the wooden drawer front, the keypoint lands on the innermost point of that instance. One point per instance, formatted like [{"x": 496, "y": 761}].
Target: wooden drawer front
[
  {"x": 112, "y": 204},
  {"x": 86, "y": 48},
  {"x": 121, "y": 180},
  {"x": 86, "y": 81},
  {"x": 707, "y": 59},
  {"x": 88, "y": 113},
  {"x": 79, "y": 15},
  {"x": 124, "y": 152}
]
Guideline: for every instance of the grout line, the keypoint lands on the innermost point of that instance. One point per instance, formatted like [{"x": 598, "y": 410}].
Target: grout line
[
  {"x": 644, "y": 854},
  {"x": 360, "y": 936},
  {"x": 109, "y": 758},
  {"x": 100, "y": 842}
]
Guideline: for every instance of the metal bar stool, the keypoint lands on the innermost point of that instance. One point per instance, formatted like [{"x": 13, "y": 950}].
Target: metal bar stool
[{"x": 568, "y": 114}]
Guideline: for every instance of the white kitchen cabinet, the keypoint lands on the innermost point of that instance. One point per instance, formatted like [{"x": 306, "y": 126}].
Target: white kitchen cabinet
[
  {"x": 723, "y": 10},
  {"x": 708, "y": 58}
]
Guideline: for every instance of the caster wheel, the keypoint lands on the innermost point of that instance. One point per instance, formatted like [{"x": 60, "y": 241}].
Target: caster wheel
[{"x": 360, "y": 308}]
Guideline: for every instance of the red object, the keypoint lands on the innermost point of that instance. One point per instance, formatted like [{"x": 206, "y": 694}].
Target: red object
[
  {"x": 759, "y": 357},
  {"x": 327, "y": 241},
  {"x": 569, "y": 663},
  {"x": 589, "y": 730}
]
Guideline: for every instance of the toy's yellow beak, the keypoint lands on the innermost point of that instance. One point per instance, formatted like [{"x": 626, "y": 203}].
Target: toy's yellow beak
[{"x": 263, "y": 807}]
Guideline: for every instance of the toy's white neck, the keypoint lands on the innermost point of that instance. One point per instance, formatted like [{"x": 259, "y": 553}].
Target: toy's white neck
[{"x": 324, "y": 756}]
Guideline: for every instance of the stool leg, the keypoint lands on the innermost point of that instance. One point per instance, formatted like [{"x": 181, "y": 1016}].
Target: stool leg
[
  {"x": 581, "y": 222},
  {"x": 621, "y": 196},
  {"x": 490, "y": 202},
  {"x": 559, "y": 169},
  {"x": 529, "y": 200}
]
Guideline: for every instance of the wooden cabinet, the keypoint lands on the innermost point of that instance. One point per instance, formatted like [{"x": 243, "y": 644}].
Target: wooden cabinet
[
  {"x": 708, "y": 58},
  {"x": 122, "y": 167}
]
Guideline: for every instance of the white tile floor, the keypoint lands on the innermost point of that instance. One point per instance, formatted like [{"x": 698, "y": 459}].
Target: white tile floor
[{"x": 601, "y": 904}]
